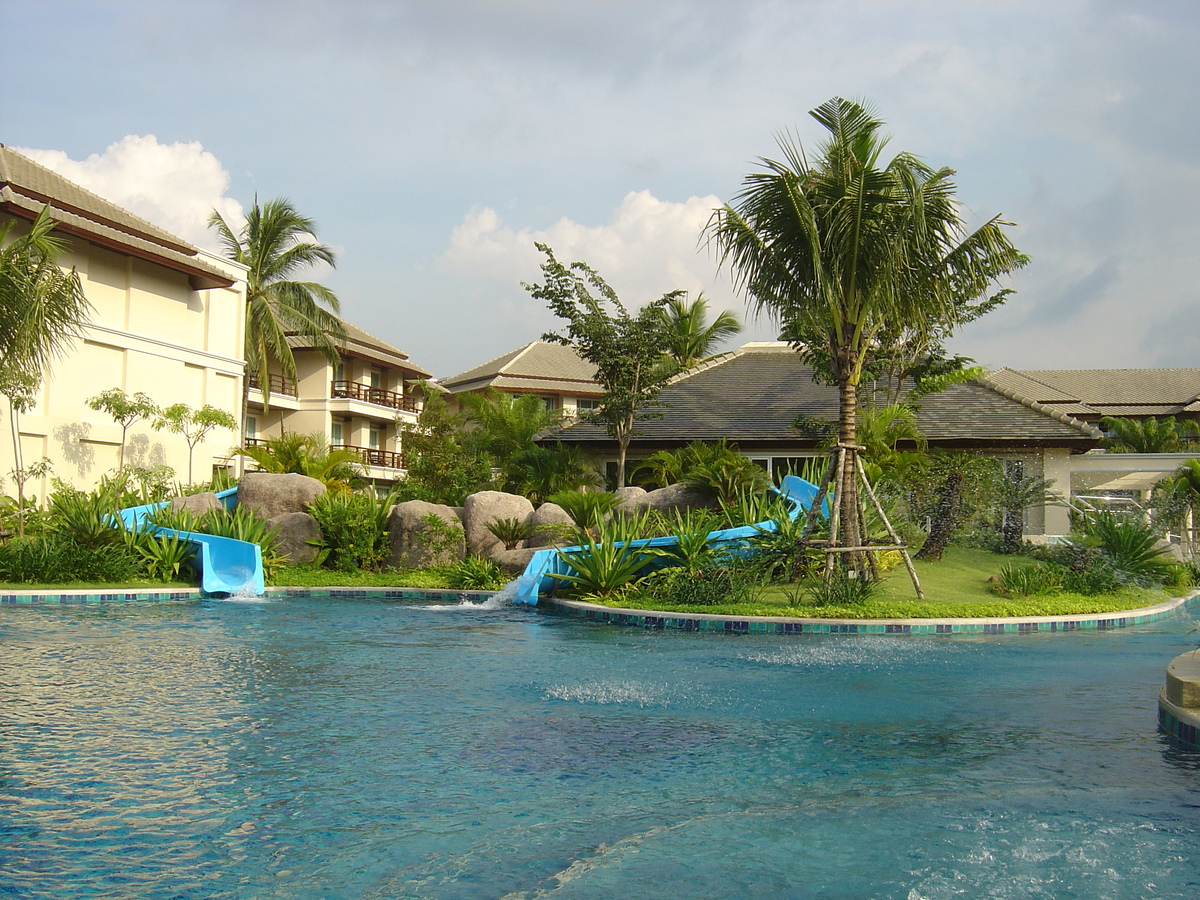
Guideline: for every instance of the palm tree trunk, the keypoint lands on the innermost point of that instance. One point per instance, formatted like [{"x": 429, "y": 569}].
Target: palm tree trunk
[{"x": 849, "y": 502}]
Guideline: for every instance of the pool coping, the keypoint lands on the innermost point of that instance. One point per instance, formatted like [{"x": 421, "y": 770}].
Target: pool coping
[
  {"x": 83, "y": 597},
  {"x": 726, "y": 624}
]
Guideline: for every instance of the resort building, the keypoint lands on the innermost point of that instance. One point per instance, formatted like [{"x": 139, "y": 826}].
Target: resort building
[
  {"x": 361, "y": 402},
  {"x": 763, "y": 398},
  {"x": 167, "y": 320},
  {"x": 551, "y": 371}
]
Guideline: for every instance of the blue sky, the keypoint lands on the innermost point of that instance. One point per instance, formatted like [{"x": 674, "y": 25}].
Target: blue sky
[{"x": 434, "y": 142}]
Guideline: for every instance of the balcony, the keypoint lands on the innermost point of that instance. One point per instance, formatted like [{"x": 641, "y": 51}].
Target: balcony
[
  {"x": 276, "y": 383},
  {"x": 352, "y": 390}
]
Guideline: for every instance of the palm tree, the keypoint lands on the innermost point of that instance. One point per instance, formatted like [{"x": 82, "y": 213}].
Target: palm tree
[
  {"x": 688, "y": 340},
  {"x": 273, "y": 245},
  {"x": 42, "y": 310},
  {"x": 840, "y": 246},
  {"x": 1165, "y": 435},
  {"x": 338, "y": 468}
]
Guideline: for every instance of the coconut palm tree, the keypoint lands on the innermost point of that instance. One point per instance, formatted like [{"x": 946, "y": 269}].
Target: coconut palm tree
[
  {"x": 688, "y": 336},
  {"x": 840, "y": 245},
  {"x": 1165, "y": 435},
  {"x": 274, "y": 245}
]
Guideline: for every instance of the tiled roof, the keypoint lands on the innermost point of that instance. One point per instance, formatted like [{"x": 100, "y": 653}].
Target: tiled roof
[
  {"x": 361, "y": 343},
  {"x": 26, "y": 187},
  {"x": 537, "y": 366},
  {"x": 753, "y": 395},
  {"x": 1106, "y": 392}
]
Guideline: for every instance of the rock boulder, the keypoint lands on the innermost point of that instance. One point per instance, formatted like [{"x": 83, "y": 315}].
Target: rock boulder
[
  {"x": 485, "y": 507},
  {"x": 273, "y": 495},
  {"x": 548, "y": 523},
  {"x": 297, "y": 531},
  {"x": 196, "y": 504},
  {"x": 417, "y": 543}
]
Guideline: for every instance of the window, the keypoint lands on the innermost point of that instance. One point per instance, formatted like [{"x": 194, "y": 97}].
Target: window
[
  {"x": 375, "y": 439},
  {"x": 251, "y": 427},
  {"x": 335, "y": 434},
  {"x": 376, "y": 378},
  {"x": 339, "y": 372},
  {"x": 587, "y": 404}
]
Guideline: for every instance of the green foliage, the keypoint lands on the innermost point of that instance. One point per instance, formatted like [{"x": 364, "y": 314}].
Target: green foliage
[
  {"x": 163, "y": 557},
  {"x": 955, "y": 491},
  {"x": 88, "y": 518},
  {"x": 713, "y": 582},
  {"x": 587, "y": 509},
  {"x": 602, "y": 566},
  {"x": 541, "y": 471},
  {"x": 1130, "y": 543},
  {"x": 475, "y": 574},
  {"x": 1029, "y": 581},
  {"x": 510, "y": 532},
  {"x": 353, "y": 529},
  {"x": 338, "y": 468},
  {"x": 714, "y": 467},
  {"x": 694, "y": 552},
  {"x": 315, "y": 576},
  {"x": 57, "y": 558},
  {"x": 840, "y": 590},
  {"x": 442, "y": 465},
  {"x": 625, "y": 349},
  {"x": 782, "y": 553},
  {"x": 504, "y": 426},
  {"x": 1150, "y": 435},
  {"x": 240, "y": 523}
]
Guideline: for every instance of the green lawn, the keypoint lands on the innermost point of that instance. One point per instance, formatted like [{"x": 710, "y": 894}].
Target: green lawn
[{"x": 954, "y": 587}]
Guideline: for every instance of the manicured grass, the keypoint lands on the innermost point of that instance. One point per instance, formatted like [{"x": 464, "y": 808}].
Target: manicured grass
[
  {"x": 99, "y": 588},
  {"x": 313, "y": 576},
  {"x": 955, "y": 587}
]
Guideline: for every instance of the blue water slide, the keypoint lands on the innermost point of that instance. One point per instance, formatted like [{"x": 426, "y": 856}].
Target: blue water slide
[
  {"x": 538, "y": 577},
  {"x": 227, "y": 566}
]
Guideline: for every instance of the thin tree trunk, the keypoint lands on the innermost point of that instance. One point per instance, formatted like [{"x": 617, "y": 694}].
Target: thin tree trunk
[{"x": 14, "y": 423}]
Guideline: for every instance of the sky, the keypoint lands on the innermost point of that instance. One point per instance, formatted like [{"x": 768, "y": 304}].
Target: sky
[{"x": 434, "y": 143}]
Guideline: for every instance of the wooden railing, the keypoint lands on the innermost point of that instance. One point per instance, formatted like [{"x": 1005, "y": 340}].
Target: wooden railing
[
  {"x": 277, "y": 384},
  {"x": 367, "y": 394}
]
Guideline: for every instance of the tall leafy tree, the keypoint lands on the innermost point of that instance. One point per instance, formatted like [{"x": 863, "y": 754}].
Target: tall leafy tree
[
  {"x": 688, "y": 337},
  {"x": 626, "y": 349},
  {"x": 276, "y": 244},
  {"x": 843, "y": 246}
]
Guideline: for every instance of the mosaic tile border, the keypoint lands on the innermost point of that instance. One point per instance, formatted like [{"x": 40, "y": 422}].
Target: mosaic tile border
[
  {"x": 702, "y": 622},
  {"x": 86, "y": 598},
  {"x": 1181, "y": 724}
]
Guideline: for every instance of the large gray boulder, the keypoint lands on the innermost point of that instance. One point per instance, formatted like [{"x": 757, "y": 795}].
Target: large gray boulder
[
  {"x": 667, "y": 500},
  {"x": 548, "y": 525},
  {"x": 513, "y": 562},
  {"x": 297, "y": 533},
  {"x": 417, "y": 543},
  {"x": 485, "y": 507},
  {"x": 196, "y": 504},
  {"x": 273, "y": 495}
]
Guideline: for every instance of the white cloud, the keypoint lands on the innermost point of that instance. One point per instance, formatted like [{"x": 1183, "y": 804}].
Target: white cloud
[
  {"x": 647, "y": 248},
  {"x": 175, "y": 186}
]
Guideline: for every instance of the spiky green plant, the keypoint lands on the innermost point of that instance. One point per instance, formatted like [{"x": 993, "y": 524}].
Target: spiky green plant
[{"x": 603, "y": 566}]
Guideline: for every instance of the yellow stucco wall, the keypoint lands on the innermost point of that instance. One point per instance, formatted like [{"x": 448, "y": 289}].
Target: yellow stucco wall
[{"x": 149, "y": 332}]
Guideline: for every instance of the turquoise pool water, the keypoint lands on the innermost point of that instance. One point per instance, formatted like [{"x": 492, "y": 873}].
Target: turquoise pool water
[{"x": 340, "y": 749}]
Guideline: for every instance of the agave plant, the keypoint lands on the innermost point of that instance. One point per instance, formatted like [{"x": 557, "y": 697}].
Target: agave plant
[
  {"x": 1131, "y": 544},
  {"x": 587, "y": 509},
  {"x": 510, "y": 532},
  {"x": 603, "y": 566}
]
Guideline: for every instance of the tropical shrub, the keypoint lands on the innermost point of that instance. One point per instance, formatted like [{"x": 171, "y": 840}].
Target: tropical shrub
[
  {"x": 353, "y": 529},
  {"x": 538, "y": 472},
  {"x": 510, "y": 532},
  {"x": 1131, "y": 544},
  {"x": 439, "y": 537},
  {"x": 587, "y": 509},
  {"x": 1028, "y": 581},
  {"x": 840, "y": 590},
  {"x": 603, "y": 566},
  {"x": 57, "y": 558},
  {"x": 710, "y": 583},
  {"x": 475, "y": 574},
  {"x": 338, "y": 468},
  {"x": 163, "y": 557}
]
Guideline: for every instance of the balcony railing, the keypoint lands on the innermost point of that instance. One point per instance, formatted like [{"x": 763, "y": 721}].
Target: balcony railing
[
  {"x": 367, "y": 394},
  {"x": 277, "y": 384},
  {"x": 384, "y": 459}
]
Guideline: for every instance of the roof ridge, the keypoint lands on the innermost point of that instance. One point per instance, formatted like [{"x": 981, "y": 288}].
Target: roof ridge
[
  {"x": 1057, "y": 414},
  {"x": 704, "y": 365},
  {"x": 520, "y": 353}
]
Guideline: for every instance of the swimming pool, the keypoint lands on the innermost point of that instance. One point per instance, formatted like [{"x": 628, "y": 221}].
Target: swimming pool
[{"x": 317, "y": 748}]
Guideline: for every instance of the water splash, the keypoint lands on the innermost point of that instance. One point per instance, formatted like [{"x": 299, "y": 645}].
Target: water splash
[
  {"x": 243, "y": 597},
  {"x": 498, "y": 600}
]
